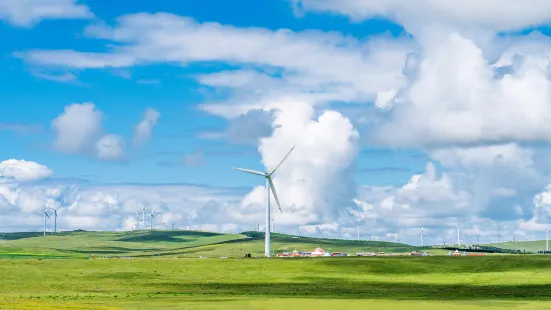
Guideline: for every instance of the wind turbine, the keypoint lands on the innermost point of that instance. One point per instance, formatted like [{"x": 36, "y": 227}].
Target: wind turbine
[
  {"x": 269, "y": 185},
  {"x": 358, "y": 227},
  {"x": 422, "y": 234},
  {"x": 547, "y": 240},
  {"x": 273, "y": 225},
  {"x": 152, "y": 214},
  {"x": 137, "y": 218},
  {"x": 45, "y": 215},
  {"x": 55, "y": 216},
  {"x": 143, "y": 216},
  {"x": 371, "y": 236},
  {"x": 458, "y": 241}
]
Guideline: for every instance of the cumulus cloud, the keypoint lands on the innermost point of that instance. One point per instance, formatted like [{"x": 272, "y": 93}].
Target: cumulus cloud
[
  {"x": 26, "y": 13},
  {"x": 456, "y": 87},
  {"x": 314, "y": 181},
  {"x": 24, "y": 171},
  {"x": 110, "y": 148},
  {"x": 142, "y": 131},
  {"x": 77, "y": 128}
]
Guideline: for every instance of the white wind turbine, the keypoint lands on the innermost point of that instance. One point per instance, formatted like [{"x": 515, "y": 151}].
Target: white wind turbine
[
  {"x": 152, "y": 215},
  {"x": 55, "y": 216},
  {"x": 45, "y": 215},
  {"x": 547, "y": 239},
  {"x": 137, "y": 221},
  {"x": 458, "y": 241},
  {"x": 371, "y": 236},
  {"x": 269, "y": 186},
  {"x": 422, "y": 234},
  {"x": 358, "y": 227},
  {"x": 143, "y": 215}
]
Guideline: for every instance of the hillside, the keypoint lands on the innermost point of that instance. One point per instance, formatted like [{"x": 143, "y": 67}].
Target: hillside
[
  {"x": 180, "y": 243},
  {"x": 532, "y": 246}
]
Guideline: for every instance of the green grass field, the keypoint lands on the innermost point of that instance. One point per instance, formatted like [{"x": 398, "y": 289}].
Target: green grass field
[
  {"x": 172, "y": 243},
  {"x": 166, "y": 273},
  {"x": 534, "y": 246},
  {"x": 493, "y": 282}
]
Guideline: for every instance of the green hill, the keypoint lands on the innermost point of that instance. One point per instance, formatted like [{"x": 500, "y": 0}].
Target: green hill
[
  {"x": 176, "y": 243},
  {"x": 532, "y": 246}
]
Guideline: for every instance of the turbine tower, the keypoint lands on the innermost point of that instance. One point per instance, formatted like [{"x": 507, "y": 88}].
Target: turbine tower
[
  {"x": 358, "y": 227},
  {"x": 547, "y": 240},
  {"x": 55, "y": 216},
  {"x": 269, "y": 186},
  {"x": 152, "y": 215},
  {"x": 45, "y": 215},
  {"x": 458, "y": 241},
  {"x": 422, "y": 234},
  {"x": 137, "y": 218},
  {"x": 143, "y": 216}
]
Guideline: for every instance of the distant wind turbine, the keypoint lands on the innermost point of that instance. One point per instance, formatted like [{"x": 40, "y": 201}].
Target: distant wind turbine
[
  {"x": 45, "y": 215},
  {"x": 269, "y": 186},
  {"x": 55, "y": 216},
  {"x": 358, "y": 227},
  {"x": 547, "y": 240},
  {"x": 137, "y": 221},
  {"x": 422, "y": 234},
  {"x": 143, "y": 216},
  {"x": 371, "y": 236},
  {"x": 458, "y": 241},
  {"x": 152, "y": 215}
]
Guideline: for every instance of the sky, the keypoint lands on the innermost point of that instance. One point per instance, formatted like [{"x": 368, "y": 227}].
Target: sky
[{"x": 404, "y": 115}]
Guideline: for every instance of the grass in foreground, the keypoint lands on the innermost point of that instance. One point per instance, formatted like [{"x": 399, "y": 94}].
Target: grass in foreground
[{"x": 493, "y": 282}]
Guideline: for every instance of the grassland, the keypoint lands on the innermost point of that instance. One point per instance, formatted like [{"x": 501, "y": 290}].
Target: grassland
[
  {"x": 532, "y": 246},
  {"x": 493, "y": 282},
  {"x": 166, "y": 273},
  {"x": 172, "y": 243}
]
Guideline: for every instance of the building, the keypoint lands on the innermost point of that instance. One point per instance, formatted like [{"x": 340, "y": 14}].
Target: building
[{"x": 318, "y": 252}]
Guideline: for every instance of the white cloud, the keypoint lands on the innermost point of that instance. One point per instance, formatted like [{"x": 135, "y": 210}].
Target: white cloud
[
  {"x": 110, "y": 148},
  {"x": 142, "y": 132},
  {"x": 456, "y": 98},
  {"x": 498, "y": 15},
  {"x": 79, "y": 131},
  {"x": 314, "y": 181},
  {"x": 78, "y": 128},
  {"x": 24, "y": 171},
  {"x": 351, "y": 70},
  {"x": 26, "y": 13}
]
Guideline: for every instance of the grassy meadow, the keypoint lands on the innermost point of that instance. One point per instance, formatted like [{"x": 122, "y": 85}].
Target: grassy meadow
[
  {"x": 176, "y": 243},
  {"x": 439, "y": 282},
  {"x": 166, "y": 273}
]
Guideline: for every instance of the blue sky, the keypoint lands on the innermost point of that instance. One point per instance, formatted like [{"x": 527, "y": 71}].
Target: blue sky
[
  {"x": 175, "y": 96},
  {"x": 397, "y": 115}
]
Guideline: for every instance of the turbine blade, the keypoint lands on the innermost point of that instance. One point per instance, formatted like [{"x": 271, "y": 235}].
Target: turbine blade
[
  {"x": 251, "y": 171},
  {"x": 272, "y": 187},
  {"x": 284, "y": 158},
  {"x": 47, "y": 215}
]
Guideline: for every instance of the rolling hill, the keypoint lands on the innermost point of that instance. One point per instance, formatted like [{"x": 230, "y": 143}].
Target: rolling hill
[
  {"x": 175, "y": 243},
  {"x": 532, "y": 246}
]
